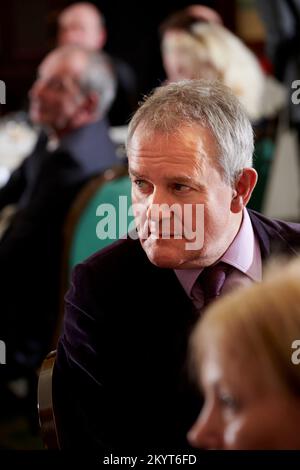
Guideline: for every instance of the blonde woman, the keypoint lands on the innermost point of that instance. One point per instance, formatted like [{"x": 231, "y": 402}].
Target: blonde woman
[
  {"x": 246, "y": 354},
  {"x": 195, "y": 48}
]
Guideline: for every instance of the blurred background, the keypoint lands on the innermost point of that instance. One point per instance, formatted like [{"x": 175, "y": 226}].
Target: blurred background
[{"x": 28, "y": 31}]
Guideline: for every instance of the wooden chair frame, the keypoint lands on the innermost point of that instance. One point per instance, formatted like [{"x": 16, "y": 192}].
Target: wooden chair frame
[
  {"x": 45, "y": 403},
  {"x": 74, "y": 214}
]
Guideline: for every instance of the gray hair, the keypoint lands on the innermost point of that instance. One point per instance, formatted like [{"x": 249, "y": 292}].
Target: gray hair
[
  {"x": 206, "y": 104},
  {"x": 99, "y": 77}
]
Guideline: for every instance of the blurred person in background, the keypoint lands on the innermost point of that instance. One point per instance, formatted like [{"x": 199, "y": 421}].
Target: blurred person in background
[
  {"x": 196, "y": 45},
  {"x": 83, "y": 24},
  {"x": 282, "y": 22},
  {"x": 245, "y": 354},
  {"x": 69, "y": 100}
]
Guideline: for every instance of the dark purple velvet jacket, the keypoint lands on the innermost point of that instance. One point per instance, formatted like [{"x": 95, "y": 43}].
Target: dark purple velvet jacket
[{"x": 121, "y": 378}]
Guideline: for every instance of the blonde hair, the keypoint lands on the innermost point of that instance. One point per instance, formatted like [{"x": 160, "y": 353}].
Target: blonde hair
[
  {"x": 237, "y": 66},
  {"x": 258, "y": 323}
]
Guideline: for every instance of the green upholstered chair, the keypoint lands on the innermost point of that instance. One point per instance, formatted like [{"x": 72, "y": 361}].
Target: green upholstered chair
[
  {"x": 46, "y": 413},
  {"x": 86, "y": 222},
  {"x": 96, "y": 226},
  {"x": 265, "y": 145},
  {"x": 88, "y": 227},
  {"x": 263, "y": 159}
]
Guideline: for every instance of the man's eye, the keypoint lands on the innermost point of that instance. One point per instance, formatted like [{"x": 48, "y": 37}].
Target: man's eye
[
  {"x": 182, "y": 188},
  {"x": 141, "y": 184}
]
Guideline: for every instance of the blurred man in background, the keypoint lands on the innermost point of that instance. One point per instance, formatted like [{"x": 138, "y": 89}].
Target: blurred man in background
[
  {"x": 83, "y": 24},
  {"x": 69, "y": 99}
]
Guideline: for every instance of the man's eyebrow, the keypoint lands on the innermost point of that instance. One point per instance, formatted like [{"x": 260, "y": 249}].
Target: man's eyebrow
[
  {"x": 180, "y": 179},
  {"x": 187, "y": 181},
  {"x": 136, "y": 174}
]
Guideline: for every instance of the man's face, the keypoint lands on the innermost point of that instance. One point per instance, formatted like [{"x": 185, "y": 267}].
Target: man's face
[
  {"x": 180, "y": 169},
  {"x": 79, "y": 26},
  {"x": 56, "y": 98}
]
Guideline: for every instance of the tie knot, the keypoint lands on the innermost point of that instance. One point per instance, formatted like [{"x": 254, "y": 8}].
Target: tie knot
[{"x": 212, "y": 280}]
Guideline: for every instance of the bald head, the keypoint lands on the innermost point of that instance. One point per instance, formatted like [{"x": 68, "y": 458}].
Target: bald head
[{"x": 81, "y": 24}]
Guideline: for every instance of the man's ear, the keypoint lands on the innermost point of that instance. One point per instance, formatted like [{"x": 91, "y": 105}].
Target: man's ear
[{"x": 244, "y": 186}]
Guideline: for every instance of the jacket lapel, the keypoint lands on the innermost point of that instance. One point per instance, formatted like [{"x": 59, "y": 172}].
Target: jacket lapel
[{"x": 272, "y": 237}]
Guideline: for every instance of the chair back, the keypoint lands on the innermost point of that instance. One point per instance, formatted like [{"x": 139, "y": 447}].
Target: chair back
[
  {"x": 88, "y": 229},
  {"x": 99, "y": 216}
]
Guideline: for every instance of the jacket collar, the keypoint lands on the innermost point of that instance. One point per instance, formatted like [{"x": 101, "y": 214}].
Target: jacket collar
[{"x": 271, "y": 236}]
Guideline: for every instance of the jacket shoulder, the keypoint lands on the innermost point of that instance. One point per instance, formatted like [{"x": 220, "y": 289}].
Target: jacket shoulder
[
  {"x": 281, "y": 226},
  {"x": 275, "y": 235},
  {"x": 114, "y": 261}
]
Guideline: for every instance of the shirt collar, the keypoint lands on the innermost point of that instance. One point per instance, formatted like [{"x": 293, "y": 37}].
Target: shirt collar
[{"x": 243, "y": 254}]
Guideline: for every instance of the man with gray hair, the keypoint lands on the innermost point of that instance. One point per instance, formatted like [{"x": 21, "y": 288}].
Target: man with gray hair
[
  {"x": 69, "y": 101},
  {"x": 121, "y": 381}
]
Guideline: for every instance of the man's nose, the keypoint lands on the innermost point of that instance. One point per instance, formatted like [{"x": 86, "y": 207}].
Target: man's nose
[
  {"x": 159, "y": 205},
  {"x": 207, "y": 432}
]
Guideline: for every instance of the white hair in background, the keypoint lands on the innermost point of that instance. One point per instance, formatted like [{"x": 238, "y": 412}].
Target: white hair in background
[{"x": 99, "y": 77}]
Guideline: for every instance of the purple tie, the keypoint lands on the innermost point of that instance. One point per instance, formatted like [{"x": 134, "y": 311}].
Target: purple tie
[{"x": 212, "y": 280}]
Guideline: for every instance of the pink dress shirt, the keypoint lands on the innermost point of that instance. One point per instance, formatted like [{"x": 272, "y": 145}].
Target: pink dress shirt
[{"x": 243, "y": 255}]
